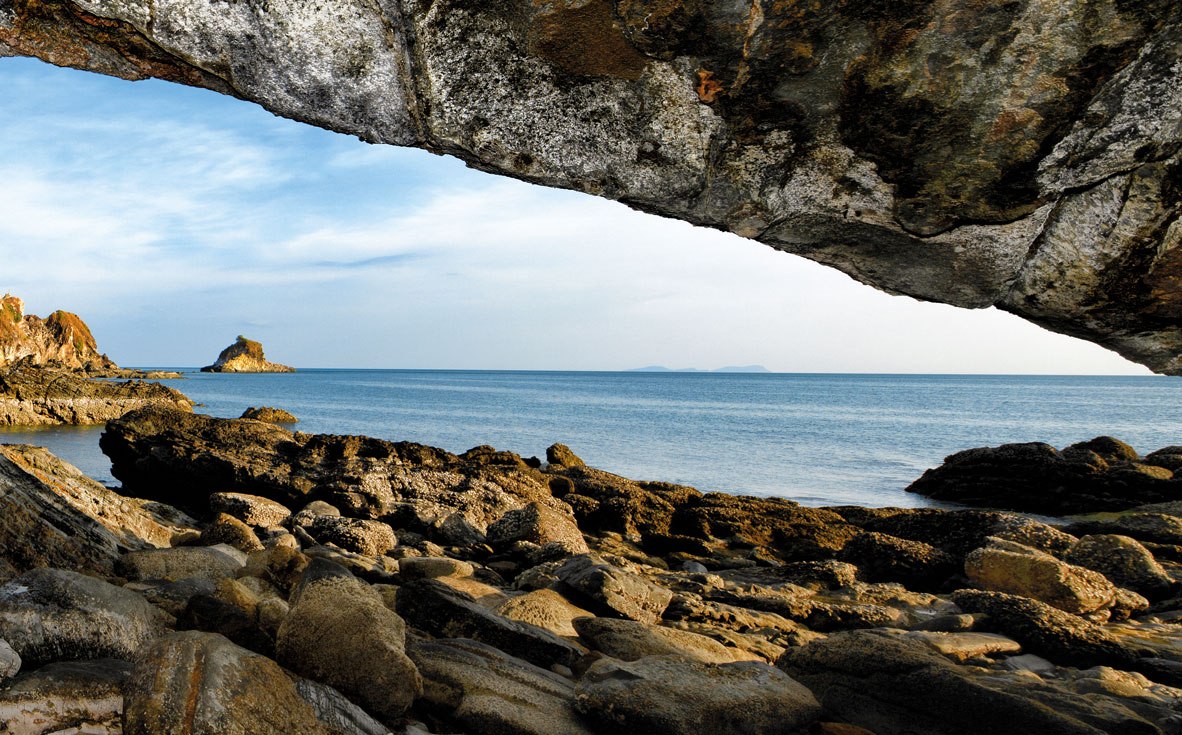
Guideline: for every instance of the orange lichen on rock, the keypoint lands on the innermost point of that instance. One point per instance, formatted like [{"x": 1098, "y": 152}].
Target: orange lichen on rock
[{"x": 708, "y": 88}]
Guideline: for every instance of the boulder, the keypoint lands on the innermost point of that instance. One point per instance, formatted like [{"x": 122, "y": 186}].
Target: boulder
[
  {"x": 51, "y": 514},
  {"x": 1125, "y": 562},
  {"x": 339, "y": 632},
  {"x": 1021, "y": 570},
  {"x": 333, "y": 709},
  {"x": 269, "y": 415},
  {"x": 961, "y": 647},
  {"x": 368, "y": 538},
  {"x": 483, "y": 690},
  {"x": 628, "y": 640},
  {"x": 253, "y": 510},
  {"x": 561, "y": 454},
  {"x": 1159, "y": 528},
  {"x": 1101, "y": 475},
  {"x": 182, "y": 562},
  {"x": 546, "y": 609},
  {"x": 228, "y": 530},
  {"x": 613, "y": 590},
  {"x": 433, "y": 606},
  {"x": 202, "y": 684},
  {"x": 431, "y": 567},
  {"x": 53, "y": 615},
  {"x": 883, "y": 558},
  {"x": 670, "y": 695},
  {"x": 10, "y": 661},
  {"x": 66, "y": 697},
  {"x": 1061, "y": 637},
  {"x": 540, "y": 525},
  {"x": 895, "y": 685}
]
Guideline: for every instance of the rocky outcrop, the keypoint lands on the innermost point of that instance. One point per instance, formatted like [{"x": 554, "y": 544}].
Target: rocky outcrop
[
  {"x": 246, "y": 356},
  {"x": 1024, "y": 156},
  {"x": 269, "y": 415},
  {"x": 489, "y": 621},
  {"x": 1103, "y": 474},
  {"x": 34, "y": 396},
  {"x": 61, "y": 340}
]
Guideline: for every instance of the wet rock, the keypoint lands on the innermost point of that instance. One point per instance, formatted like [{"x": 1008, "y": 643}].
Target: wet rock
[
  {"x": 182, "y": 562},
  {"x": 253, "y": 510},
  {"x": 883, "y": 558},
  {"x": 540, "y": 525},
  {"x": 613, "y": 589},
  {"x": 628, "y": 640},
  {"x": 201, "y": 683},
  {"x": 1061, "y": 637},
  {"x": 368, "y": 538},
  {"x": 891, "y": 685},
  {"x": 340, "y": 632},
  {"x": 670, "y": 695},
  {"x": 66, "y": 697},
  {"x": 269, "y": 415},
  {"x": 483, "y": 690},
  {"x": 1124, "y": 561},
  {"x": 1020, "y": 570},
  {"x": 228, "y": 530},
  {"x": 546, "y": 609},
  {"x": 430, "y": 567},
  {"x": 445, "y": 612},
  {"x": 53, "y": 515},
  {"x": 52, "y": 615},
  {"x": 1036, "y": 478}
]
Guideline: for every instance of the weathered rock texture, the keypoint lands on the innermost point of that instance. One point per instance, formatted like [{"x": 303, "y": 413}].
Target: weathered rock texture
[
  {"x": 60, "y": 340},
  {"x": 1024, "y": 155},
  {"x": 245, "y": 356},
  {"x": 34, "y": 396}
]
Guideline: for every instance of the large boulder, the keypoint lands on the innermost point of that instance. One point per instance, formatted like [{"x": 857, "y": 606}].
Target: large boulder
[
  {"x": 1020, "y": 570},
  {"x": 670, "y": 695},
  {"x": 540, "y": 525},
  {"x": 613, "y": 590},
  {"x": 1101, "y": 475},
  {"x": 1124, "y": 561},
  {"x": 484, "y": 690},
  {"x": 253, "y": 510},
  {"x": 340, "y": 632},
  {"x": 884, "y": 558},
  {"x": 202, "y": 684},
  {"x": 182, "y": 562},
  {"x": 368, "y": 538},
  {"x": 51, "y": 514},
  {"x": 545, "y": 608},
  {"x": 446, "y": 612},
  {"x": 53, "y": 615}
]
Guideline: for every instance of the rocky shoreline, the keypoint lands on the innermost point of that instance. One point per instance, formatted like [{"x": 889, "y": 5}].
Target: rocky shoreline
[
  {"x": 268, "y": 581},
  {"x": 41, "y": 396}
]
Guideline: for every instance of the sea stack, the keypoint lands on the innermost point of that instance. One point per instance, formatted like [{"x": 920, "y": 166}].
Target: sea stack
[
  {"x": 61, "y": 340},
  {"x": 245, "y": 356}
]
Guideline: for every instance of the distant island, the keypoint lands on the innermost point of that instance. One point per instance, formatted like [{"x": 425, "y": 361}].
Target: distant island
[
  {"x": 245, "y": 356},
  {"x": 727, "y": 369}
]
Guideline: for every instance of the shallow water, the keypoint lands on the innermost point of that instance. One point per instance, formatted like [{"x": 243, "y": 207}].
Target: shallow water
[{"x": 819, "y": 439}]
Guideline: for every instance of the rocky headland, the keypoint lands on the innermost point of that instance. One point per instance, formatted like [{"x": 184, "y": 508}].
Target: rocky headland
[
  {"x": 245, "y": 356},
  {"x": 248, "y": 579},
  {"x": 51, "y": 372}
]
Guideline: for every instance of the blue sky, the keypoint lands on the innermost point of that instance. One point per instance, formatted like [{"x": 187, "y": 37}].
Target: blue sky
[{"x": 174, "y": 219}]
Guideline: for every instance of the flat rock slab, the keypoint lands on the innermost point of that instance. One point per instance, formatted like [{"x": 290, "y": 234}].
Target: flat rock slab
[
  {"x": 963, "y": 646},
  {"x": 669, "y": 695},
  {"x": 628, "y": 640},
  {"x": 52, "y": 615},
  {"x": 484, "y": 690},
  {"x": 435, "y": 607},
  {"x": 182, "y": 562},
  {"x": 546, "y": 609}
]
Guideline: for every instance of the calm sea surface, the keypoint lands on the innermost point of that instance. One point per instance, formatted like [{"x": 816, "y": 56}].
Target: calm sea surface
[{"x": 819, "y": 439}]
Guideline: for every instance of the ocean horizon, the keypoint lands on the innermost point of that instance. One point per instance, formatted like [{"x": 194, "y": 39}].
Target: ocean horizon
[{"x": 817, "y": 438}]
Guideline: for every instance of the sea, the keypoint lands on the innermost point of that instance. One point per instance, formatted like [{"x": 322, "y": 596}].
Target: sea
[{"x": 820, "y": 439}]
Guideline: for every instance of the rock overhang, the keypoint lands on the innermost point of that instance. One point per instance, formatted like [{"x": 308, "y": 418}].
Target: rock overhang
[{"x": 1023, "y": 155}]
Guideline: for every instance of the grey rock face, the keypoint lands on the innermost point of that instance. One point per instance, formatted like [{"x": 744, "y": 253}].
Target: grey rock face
[
  {"x": 620, "y": 592},
  {"x": 182, "y": 562},
  {"x": 1036, "y": 171},
  {"x": 52, "y": 615}
]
